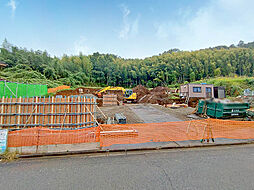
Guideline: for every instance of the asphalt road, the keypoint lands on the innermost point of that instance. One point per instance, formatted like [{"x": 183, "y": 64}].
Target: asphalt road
[
  {"x": 150, "y": 114},
  {"x": 228, "y": 167}
]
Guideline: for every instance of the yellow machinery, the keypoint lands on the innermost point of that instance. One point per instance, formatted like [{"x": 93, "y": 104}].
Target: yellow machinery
[{"x": 129, "y": 95}]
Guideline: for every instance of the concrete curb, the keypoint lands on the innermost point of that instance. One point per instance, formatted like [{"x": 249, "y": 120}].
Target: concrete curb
[{"x": 129, "y": 150}]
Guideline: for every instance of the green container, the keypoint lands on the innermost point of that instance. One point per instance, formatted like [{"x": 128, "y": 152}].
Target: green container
[
  {"x": 201, "y": 106},
  {"x": 223, "y": 110},
  {"x": 250, "y": 113}
]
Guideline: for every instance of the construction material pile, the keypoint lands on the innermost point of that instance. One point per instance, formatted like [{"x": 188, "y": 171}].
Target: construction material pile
[
  {"x": 77, "y": 91},
  {"x": 248, "y": 99},
  {"x": 158, "y": 95},
  {"x": 141, "y": 92},
  {"x": 119, "y": 93},
  {"x": 54, "y": 90},
  {"x": 193, "y": 102}
]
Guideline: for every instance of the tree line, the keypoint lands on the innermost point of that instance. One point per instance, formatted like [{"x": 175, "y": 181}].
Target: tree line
[{"x": 169, "y": 68}]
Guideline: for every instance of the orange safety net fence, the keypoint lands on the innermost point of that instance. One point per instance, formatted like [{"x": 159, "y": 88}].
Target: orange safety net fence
[
  {"x": 44, "y": 136},
  {"x": 115, "y": 134},
  {"x": 175, "y": 131}
]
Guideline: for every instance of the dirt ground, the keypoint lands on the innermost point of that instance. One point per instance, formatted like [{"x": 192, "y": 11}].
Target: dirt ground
[
  {"x": 131, "y": 111},
  {"x": 180, "y": 113},
  {"x": 150, "y": 114},
  {"x": 110, "y": 111}
]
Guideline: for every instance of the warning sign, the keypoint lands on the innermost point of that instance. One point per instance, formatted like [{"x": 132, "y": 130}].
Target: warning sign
[{"x": 3, "y": 140}]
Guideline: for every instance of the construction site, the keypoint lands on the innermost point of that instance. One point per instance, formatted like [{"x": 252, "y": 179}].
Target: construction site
[
  {"x": 127, "y": 94},
  {"x": 117, "y": 118},
  {"x": 140, "y": 104}
]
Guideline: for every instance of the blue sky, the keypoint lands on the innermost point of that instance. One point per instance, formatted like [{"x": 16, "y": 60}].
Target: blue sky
[{"x": 127, "y": 28}]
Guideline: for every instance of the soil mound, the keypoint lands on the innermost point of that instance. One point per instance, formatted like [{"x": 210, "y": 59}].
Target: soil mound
[
  {"x": 77, "y": 91},
  {"x": 160, "y": 89},
  {"x": 158, "y": 95},
  {"x": 141, "y": 92}
]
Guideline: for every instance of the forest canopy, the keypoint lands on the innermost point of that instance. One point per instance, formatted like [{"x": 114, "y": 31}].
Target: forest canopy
[{"x": 169, "y": 68}]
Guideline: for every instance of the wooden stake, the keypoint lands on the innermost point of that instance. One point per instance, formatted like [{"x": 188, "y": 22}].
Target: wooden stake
[
  {"x": 30, "y": 116},
  {"x": 92, "y": 115},
  {"x": 36, "y": 110},
  {"x": 19, "y": 110},
  {"x": 52, "y": 110},
  {"x": 84, "y": 111},
  {"x": 78, "y": 120},
  {"x": 2, "y": 111},
  {"x": 101, "y": 112}
]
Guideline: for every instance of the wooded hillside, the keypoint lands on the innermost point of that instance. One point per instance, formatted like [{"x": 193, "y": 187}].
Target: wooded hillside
[{"x": 171, "y": 67}]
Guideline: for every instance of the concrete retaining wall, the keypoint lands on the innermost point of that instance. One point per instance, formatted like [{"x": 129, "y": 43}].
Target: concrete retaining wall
[{"x": 58, "y": 148}]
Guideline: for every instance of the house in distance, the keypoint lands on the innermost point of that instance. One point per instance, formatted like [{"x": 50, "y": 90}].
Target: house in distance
[
  {"x": 197, "y": 90},
  {"x": 3, "y": 64}
]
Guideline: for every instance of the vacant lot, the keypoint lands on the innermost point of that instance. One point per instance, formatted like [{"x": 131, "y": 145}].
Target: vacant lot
[{"x": 147, "y": 113}]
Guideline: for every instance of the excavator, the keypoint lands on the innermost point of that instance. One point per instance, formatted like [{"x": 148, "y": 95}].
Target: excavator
[{"x": 129, "y": 95}]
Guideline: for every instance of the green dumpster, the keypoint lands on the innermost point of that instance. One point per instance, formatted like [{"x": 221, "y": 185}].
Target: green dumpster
[
  {"x": 201, "y": 106},
  {"x": 250, "y": 113},
  {"x": 223, "y": 109}
]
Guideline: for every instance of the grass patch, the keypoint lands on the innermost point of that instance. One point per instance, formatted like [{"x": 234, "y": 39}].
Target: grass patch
[
  {"x": 234, "y": 85},
  {"x": 8, "y": 156}
]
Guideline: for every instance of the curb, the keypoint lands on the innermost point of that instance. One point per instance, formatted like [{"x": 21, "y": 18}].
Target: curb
[{"x": 126, "y": 150}]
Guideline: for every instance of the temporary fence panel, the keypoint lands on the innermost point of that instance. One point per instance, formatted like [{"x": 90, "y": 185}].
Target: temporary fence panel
[
  {"x": 56, "y": 112},
  {"x": 11, "y": 89}
]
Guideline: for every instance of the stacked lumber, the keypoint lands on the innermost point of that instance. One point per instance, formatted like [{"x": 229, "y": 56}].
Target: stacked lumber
[{"x": 110, "y": 100}]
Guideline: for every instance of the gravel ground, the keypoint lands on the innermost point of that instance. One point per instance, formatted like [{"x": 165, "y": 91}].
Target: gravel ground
[
  {"x": 112, "y": 110},
  {"x": 137, "y": 113},
  {"x": 180, "y": 113},
  {"x": 151, "y": 114}
]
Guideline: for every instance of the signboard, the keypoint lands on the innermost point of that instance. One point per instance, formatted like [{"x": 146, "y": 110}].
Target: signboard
[{"x": 3, "y": 140}]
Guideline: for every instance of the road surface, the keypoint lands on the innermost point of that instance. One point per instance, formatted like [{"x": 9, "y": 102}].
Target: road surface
[{"x": 227, "y": 167}]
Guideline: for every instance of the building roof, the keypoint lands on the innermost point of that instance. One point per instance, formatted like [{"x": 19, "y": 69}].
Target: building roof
[
  {"x": 196, "y": 84},
  {"x": 3, "y": 64}
]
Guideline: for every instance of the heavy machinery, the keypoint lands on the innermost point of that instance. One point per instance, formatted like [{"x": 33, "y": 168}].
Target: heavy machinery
[{"x": 128, "y": 94}]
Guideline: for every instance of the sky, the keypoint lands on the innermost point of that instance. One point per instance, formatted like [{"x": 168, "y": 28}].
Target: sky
[{"x": 127, "y": 28}]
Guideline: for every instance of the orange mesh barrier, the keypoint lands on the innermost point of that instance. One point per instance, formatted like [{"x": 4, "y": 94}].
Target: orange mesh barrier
[
  {"x": 44, "y": 136},
  {"x": 175, "y": 131},
  {"x": 53, "y": 90},
  {"x": 115, "y": 134},
  {"x": 232, "y": 129}
]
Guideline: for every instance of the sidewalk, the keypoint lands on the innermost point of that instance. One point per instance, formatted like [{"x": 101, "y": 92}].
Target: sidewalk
[
  {"x": 178, "y": 144},
  {"x": 142, "y": 146}
]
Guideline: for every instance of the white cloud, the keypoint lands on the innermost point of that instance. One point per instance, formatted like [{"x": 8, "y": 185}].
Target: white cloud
[
  {"x": 220, "y": 22},
  {"x": 12, "y": 5},
  {"x": 130, "y": 27},
  {"x": 80, "y": 46},
  {"x": 162, "y": 30}
]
